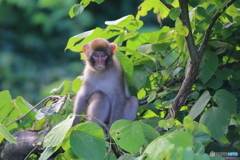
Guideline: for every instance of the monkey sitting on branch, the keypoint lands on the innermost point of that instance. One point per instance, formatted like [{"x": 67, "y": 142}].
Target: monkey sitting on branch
[{"x": 104, "y": 89}]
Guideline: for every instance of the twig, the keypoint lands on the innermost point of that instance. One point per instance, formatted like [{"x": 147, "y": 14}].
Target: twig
[
  {"x": 45, "y": 99},
  {"x": 208, "y": 31}
]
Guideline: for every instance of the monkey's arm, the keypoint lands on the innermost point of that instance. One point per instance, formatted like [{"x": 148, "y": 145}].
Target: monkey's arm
[{"x": 79, "y": 105}]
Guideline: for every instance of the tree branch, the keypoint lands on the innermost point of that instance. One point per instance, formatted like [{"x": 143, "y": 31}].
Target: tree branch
[
  {"x": 208, "y": 31},
  {"x": 186, "y": 22},
  {"x": 169, "y": 6}
]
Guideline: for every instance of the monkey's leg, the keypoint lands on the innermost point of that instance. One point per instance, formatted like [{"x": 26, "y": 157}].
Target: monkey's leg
[
  {"x": 99, "y": 107},
  {"x": 130, "y": 109}
]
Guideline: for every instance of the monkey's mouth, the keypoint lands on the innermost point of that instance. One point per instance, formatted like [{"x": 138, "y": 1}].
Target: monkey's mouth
[{"x": 99, "y": 68}]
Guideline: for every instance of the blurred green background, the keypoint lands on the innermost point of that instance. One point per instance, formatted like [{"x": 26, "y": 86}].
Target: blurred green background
[{"x": 34, "y": 33}]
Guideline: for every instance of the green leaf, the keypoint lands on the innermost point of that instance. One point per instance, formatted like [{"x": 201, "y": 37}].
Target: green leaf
[
  {"x": 147, "y": 48},
  {"x": 5, "y": 133},
  {"x": 149, "y": 132},
  {"x": 62, "y": 90},
  {"x": 198, "y": 148},
  {"x": 119, "y": 40},
  {"x": 76, "y": 84},
  {"x": 98, "y": 1},
  {"x": 208, "y": 66},
  {"x": 151, "y": 96},
  {"x": 226, "y": 32},
  {"x": 201, "y": 13},
  {"x": 218, "y": 27},
  {"x": 110, "y": 157},
  {"x": 202, "y": 137},
  {"x": 217, "y": 120},
  {"x": 126, "y": 157},
  {"x": 199, "y": 105},
  {"x": 188, "y": 154},
  {"x": 5, "y": 97},
  {"x": 214, "y": 83},
  {"x": 57, "y": 134},
  {"x": 174, "y": 13},
  {"x": 223, "y": 74},
  {"x": 180, "y": 28},
  {"x": 91, "y": 128},
  {"x": 157, "y": 6},
  {"x": 169, "y": 1},
  {"x": 75, "y": 10},
  {"x": 47, "y": 153},
  {"x": 139, "y": 76},
  {"x": 118, "y": 21},
  {"x": 158, "y": 149},
  {"x": 226, "y": 101},
  {"x": 166, "y": 124},
  {"x": 125, "y": 62},
  {"x": 73, "y": 40},
  {"x": 180, "y": 42},
  {"x": 211, "y": 8},
  {"x": 189, "y": 125},
  {"x": 180, "y": 139},
  {"x": 87, "y": 146},
  {"x": 134, "y": 25},
  {"x": 128, "y": 135}
]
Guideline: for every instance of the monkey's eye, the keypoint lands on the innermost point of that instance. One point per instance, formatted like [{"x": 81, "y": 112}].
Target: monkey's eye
[
  {"x": 104, "y": 55},
  {"x": 96, "y": 55}
]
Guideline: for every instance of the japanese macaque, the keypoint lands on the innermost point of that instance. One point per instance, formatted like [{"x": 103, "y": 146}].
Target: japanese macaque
[{"x": 104, "y": 89}]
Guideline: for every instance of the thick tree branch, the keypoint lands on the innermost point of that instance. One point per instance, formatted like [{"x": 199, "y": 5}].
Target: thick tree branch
[
  {"x": 186, "y": 22},
  {"x": 208, "y": 31}
]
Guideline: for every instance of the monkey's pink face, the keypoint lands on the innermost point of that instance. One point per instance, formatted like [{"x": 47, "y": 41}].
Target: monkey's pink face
[{"x": 99, "y": 58}]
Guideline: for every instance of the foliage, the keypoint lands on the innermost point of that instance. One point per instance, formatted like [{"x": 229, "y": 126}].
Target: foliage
[{"x": 187, "y": 74}]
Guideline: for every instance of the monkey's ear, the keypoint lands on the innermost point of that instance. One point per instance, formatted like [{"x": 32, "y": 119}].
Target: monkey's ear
[
  {"x": 85, "y": 47},
  {"x": 113, "y": 47}
]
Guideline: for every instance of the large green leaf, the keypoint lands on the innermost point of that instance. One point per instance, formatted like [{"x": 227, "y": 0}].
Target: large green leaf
[
  {"x": 128, "y": 135},
  {"x": 217, "y": 120},
  {"x": 91, "y": 128},
  {"x": 208, "y": 66},
  {"x": 226, "y": 101},
  {"x": 180, "y": 139},
  {"x": 5, "y": 97},
  {"x": 75, "y": 43},
  {"x": 160, "y": 147},
  {"x": 149, "y": 132},
  {"x": 174, "y": 13},
  {"x": 5, "y": 133},
  {"x": 87, "y": 146},
  {"x": 126, "y": 63},
  {"x": 199, "y": 105},
  {"x": 139, "y": 76},
  {"x": 57, "y": 134},
  {"x": 202, "y": 137},
  {"x": 47, "y": 153},
  {"x": 76, "y": 84}
]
